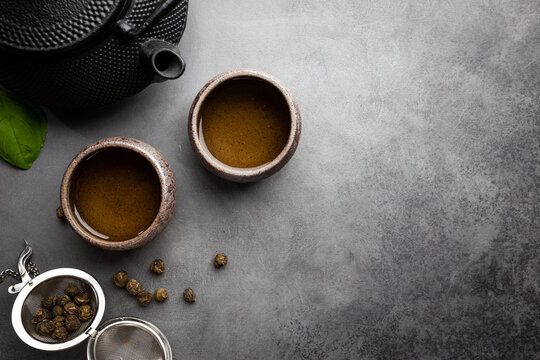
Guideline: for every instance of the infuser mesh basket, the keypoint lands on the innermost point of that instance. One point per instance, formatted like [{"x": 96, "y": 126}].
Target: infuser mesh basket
[
  {"x": 119, "y": 338},
  {"x": 51, "y": 287},
  {"x": 127, "y": 341}
]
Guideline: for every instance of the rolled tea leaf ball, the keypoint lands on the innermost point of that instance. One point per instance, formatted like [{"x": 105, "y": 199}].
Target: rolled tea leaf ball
[
  {"x": 60, "y": 213},
  {"x": 82, "y": 299},
  {"x": 48, "y": 302},
  {"x": 133, "y": 287},
  {"x": 189, "y": 295},
  {"x": 62, "y": 301},
  {"x": 220, "y": 260},
  {"x": 85, "y": 313},
  {"x": 57, "y": 310},
  {"x": 71, "y": 309},
  {"x": 72, "y": 323},
  {"x": 157, "y": 267},
  {"x": 161, "y": 295},
  {"x": 60, "y": 334},
  {"x": 72, "y": 290},
  {"x": 120, "y": 279},
  {"x": 144, "y": 297},
  {"x": 44, "y": 328},
  {"x": 59, "y": 321},
  {"x": 41, "y": 315}
]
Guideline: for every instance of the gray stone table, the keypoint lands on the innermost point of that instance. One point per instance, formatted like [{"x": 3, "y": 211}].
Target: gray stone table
[{"x": 406, "y": 226}]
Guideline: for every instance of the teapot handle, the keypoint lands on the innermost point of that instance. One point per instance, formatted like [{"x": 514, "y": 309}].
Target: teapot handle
[{"x": 128, "y": 32}]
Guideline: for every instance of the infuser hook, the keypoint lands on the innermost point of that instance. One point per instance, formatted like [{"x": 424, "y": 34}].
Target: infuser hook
[{"x": 23, "y": 273}]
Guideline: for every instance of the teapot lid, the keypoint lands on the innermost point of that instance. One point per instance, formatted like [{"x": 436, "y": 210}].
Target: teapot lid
[{"x": 44, "y": 26}]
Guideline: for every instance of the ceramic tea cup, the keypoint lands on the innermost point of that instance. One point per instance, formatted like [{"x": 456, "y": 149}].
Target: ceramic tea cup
[
  {"x": 111, "y": 224},
  {"x": 239, "y": 173}
]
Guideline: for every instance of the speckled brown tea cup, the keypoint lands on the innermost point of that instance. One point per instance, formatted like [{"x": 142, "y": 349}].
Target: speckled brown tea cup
[
  {"x": 234, "y": 173},
  {"x": 167, "y": 182}
]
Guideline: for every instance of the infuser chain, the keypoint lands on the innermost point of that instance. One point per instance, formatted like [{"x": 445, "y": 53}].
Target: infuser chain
[
  {"x": 8, "y": 272},
  {"x": 31, "y": 267}
]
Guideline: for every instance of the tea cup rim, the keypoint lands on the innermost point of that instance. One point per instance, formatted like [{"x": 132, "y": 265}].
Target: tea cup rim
[
  {"x": 167, "y": 182},
  {"x": 237, "y": 174}
]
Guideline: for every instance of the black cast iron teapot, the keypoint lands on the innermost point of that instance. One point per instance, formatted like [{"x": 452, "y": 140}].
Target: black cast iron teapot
[{"x": 84, "y": 53}]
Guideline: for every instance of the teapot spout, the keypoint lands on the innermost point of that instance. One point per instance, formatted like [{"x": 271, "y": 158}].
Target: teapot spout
[{"x": 161, "y": 60}]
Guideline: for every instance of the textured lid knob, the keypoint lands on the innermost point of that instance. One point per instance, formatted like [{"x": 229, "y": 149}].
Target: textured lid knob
[{"x": 40, "y": 26}]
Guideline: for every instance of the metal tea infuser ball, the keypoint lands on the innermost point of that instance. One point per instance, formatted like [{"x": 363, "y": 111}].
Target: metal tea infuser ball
[{"x": 117, "y": 338}]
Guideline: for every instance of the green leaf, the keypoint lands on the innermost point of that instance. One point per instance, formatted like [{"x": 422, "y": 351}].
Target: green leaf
[{"x": 22, "y": 130}]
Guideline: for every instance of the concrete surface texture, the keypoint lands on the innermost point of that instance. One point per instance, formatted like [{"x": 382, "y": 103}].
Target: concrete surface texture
[{"x": 406, "y": 226}]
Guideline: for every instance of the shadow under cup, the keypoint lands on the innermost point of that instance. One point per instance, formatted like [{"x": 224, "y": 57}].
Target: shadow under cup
[
  {"x": 118, "y": 193},
  {"x": 244, "y": 125}
]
